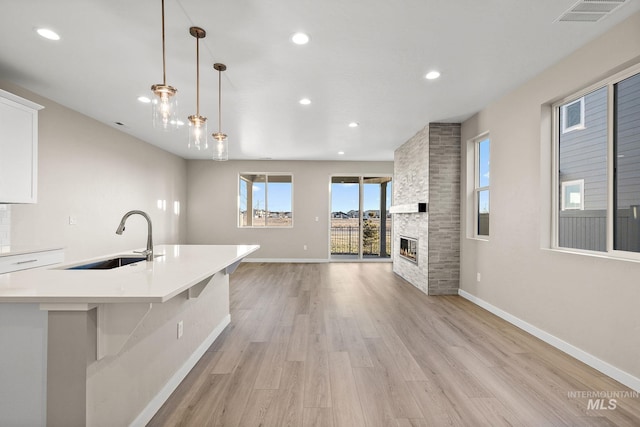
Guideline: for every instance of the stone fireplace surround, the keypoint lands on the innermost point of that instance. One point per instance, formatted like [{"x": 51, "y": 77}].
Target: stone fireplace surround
[{"x": 427, "y": 169}]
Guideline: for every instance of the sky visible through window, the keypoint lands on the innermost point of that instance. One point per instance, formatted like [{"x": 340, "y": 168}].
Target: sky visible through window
[
  {"x": 279, "y": 196},
  {"x": 344, "y": 197},
  {"x": 483, "y": 176}
]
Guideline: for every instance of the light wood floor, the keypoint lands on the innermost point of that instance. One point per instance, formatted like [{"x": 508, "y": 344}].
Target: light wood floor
[{"x": 354, "y": 345}]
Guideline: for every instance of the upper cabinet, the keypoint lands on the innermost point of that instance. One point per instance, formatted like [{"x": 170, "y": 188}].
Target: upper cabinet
[{"x": 18, "y": 149}]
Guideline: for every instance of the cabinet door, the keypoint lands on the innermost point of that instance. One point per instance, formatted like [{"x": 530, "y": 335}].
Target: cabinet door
[{"x": 18, "y": 152}]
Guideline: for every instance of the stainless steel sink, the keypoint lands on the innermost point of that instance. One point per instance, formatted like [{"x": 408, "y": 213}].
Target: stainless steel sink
[{"x": 108, "y": 264}]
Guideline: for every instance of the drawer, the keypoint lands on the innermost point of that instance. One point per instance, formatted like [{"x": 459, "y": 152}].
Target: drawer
[{"x": 25, "y": 261}]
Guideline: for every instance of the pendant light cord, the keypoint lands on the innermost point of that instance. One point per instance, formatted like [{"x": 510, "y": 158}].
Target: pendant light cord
[
  {"x": 219, "y": 101},
  {"x": 197, "y": 76},
  {"x": 164, "y": 57}
]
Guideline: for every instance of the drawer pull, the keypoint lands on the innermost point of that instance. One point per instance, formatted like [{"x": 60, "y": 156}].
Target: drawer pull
[{"x": 26, "y": 261}]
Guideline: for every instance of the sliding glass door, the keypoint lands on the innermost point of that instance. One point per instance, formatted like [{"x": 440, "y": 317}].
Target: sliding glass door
[{"x": 360, "y": 226}]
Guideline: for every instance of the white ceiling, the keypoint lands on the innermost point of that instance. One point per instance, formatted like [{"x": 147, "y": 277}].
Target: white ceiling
[{"x": 365, "y": 63}]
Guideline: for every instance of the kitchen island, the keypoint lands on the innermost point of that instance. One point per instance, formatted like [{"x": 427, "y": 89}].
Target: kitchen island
[{"x": 120, "y": 340}]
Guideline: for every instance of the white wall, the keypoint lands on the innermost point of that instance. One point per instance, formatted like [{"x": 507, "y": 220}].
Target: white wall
[
  {"x": 96, "y": 173},
  {"x": 590, "y": 303},
  {"x": 213, "y": 205}
]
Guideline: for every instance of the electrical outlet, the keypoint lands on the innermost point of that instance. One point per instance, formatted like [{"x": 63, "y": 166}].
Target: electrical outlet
[
  {"x": 304, "y": 247},
  {"x": 180, "y": 329},
  {"x": 478, "y": 277},
  {"x": 73, "y": 220}
]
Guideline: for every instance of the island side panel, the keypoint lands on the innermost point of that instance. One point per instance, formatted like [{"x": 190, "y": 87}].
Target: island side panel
[
  {"x": 120, "y": 387},
  {"x": 72, "y": 344}
]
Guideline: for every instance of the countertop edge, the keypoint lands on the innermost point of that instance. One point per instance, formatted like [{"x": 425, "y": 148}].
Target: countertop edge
[{"x": 216, "y": 267}]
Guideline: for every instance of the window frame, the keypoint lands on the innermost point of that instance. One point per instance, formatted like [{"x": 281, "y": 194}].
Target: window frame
[
  {"x": 474, "y": 189},
  {"x": 556, "y": 130},
  {"x": 241, "y": 177}
]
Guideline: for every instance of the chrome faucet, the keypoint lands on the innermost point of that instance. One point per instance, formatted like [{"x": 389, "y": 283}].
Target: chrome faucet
[{"x": 149, "y": 251}]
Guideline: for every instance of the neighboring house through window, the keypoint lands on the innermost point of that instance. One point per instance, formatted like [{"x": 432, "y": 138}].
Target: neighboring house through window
[{"x": 601, "y": 121}]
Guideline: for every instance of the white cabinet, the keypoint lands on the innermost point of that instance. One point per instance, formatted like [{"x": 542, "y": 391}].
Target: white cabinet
[{"x": 18, "y": 149}]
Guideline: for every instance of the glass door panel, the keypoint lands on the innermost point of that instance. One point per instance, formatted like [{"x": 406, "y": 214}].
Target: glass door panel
[
  {"x": 345, "y": 217},
  {"x": 360, "y": 219},
  {"x": 376, "y": 224}
]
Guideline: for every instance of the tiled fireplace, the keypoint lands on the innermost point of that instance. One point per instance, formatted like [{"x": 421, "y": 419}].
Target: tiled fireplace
[{"x": 427, "y": 169}]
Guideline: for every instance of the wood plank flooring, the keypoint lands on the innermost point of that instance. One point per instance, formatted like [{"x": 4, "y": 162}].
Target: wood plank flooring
[{"x": 354, "y": 345}]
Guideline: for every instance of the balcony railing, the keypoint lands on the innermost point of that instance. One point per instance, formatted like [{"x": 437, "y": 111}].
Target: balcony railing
[{"x": 345, "y": 240}]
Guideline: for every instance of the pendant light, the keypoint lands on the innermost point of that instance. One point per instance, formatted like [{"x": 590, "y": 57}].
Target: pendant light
[
  {"x": 164, "y": 105},
  {"x": 220, "y": 143},
  {"x": 197, "y": 123}
]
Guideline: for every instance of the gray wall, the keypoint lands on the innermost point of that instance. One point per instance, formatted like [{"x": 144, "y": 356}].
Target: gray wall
[
  {"x": 212, "y": 209},
  {"x": 590, "y": 303},
  {"x": 96, "y": 173}
]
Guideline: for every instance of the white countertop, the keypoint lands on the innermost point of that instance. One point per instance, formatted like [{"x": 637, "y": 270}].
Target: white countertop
[{"x": 179, "y": 268}]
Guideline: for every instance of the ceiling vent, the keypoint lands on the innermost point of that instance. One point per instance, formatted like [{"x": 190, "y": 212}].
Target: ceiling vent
[{"x": 590, "y": 10}]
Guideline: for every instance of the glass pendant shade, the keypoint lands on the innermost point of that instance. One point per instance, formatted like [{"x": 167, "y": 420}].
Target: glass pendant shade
[
  {"x": 198, "y": 133},
  {"x": 220, "y": 147},
  {"x": 198, "y": 124},
  {"x": 164, "y": 107},
  {"x": 220, "y": 143}
]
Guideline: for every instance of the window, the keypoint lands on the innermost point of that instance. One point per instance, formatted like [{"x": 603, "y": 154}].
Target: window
[
  {"x": 598, "y": 168},
  {"x": 573, "y": 115},
  {"x": 626, "y": 184},
  {"x": 481, "y": 147},
  {"x": 573, "y": 195},
  {"x": 265, "y": 200}
]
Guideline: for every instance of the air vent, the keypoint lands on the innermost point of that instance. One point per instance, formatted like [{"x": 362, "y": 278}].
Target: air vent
[{"x": 590, "y": 10}]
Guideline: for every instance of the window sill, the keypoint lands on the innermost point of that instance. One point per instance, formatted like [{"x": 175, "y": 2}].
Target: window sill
[
  {"x": 629, "y": 258},
  {"x": 479, "y": 239}
]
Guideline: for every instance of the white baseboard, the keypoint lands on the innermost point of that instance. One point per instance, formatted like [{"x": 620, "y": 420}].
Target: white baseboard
[
  {"x": 156, "y": 403},
  {"x": 312, "y": 260},
  {"x": 602, "y": 366},
  {"x": 288, "y": 260}
]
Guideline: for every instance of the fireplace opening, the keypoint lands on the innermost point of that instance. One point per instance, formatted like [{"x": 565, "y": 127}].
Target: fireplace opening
[{"x": 409, "y": 249}]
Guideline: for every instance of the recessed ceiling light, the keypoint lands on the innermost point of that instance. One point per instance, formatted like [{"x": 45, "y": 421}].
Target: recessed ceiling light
[
  {"x": 431, "y": 75},
  {"x": 144, "y": 99},
  {"x": 48, "y": 34},
  {"x": 354, "y": 124},
  {"x": 300, "y": 38},
  {"x": 305, "y": 101},
  {"x": 341, "y": 153}
]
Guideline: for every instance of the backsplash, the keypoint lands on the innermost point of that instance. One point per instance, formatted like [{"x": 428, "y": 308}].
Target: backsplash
[{"x": 5, "y": 227}]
